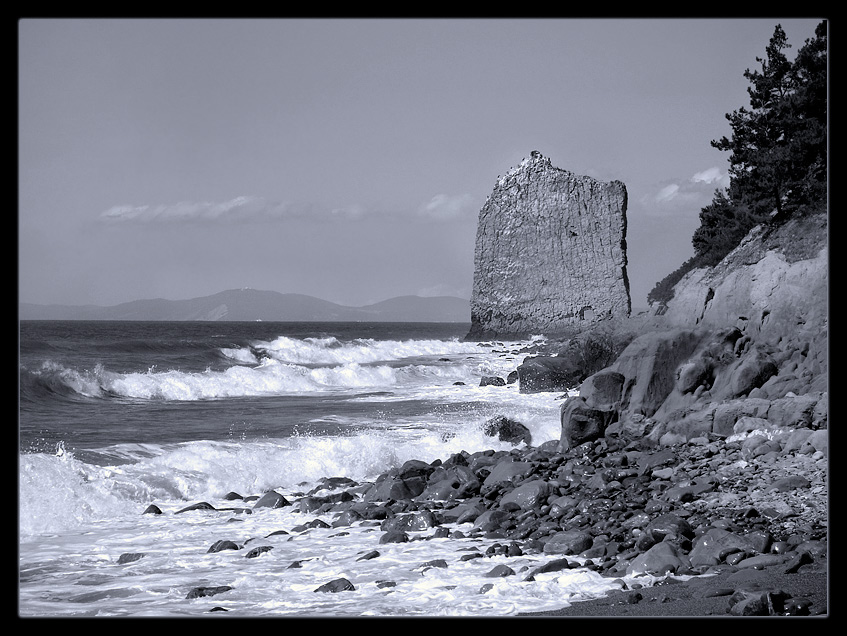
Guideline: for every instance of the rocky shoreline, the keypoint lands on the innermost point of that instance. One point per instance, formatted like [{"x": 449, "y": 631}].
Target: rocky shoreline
[{"x": 732, "y": 527}]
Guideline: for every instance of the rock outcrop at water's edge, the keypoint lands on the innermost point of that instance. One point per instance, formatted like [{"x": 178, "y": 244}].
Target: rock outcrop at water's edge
[
  {"x": 550, "y": 253},
  {"x": 746, "y": 338}
]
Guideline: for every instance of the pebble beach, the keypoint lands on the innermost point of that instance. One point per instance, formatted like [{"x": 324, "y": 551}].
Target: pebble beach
[{"x": 734, "y": 527}]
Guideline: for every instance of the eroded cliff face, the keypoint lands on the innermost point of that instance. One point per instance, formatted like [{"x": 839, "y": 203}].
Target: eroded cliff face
[
  {"x": 742, "y": 346},
  {"x": 774, "y": 284},
  {"x": 550, "y": 253}
]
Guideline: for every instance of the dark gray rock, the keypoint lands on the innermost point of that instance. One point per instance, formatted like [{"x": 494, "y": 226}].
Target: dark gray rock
[
  {"x": 198, "y": 506},
  {"x": 336, "y": 585},
  {"x": 394, "y": 536},
  {"x": 410, "y": 522},
  {"x": 199, "y": 592},
  {"x": 222, "y": 544},
  {"x": 603, "y": 390},
  {"x": 548, "y": 373},
  {"x": 373, "y": 554},
  {"x": 499, "y": 571},
  {"x": 259, "y": 550},
  {"x": 582, "y": 423},
  {"x": 753, "y": 371},
  {"x": 529, "y": 495},
  {"x": 568, "y": 542},
  {"x": 507, "y": 430},
  {"x": 271, "y": 499}
]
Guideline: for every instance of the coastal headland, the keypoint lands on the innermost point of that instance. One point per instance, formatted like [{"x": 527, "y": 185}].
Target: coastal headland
[{"x": 693, "y": 453}]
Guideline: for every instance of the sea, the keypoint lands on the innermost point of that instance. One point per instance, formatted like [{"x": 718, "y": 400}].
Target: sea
[{"x": 117, "y": 416}]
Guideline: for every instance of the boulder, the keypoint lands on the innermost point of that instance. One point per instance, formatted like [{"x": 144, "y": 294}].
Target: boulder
[
  {"x": 818, "y": 441},
  {"x": 712, "y": 547},
  {"x": 201, "y": 505},
  {"x": 751, "y": 372},
  {"x": 271, "y": 499},
  {"x": 540, "y": 374},
  {"x": 660, "y": 559},
  {"x": 728, "y": 413},
  {"x": 222, "y": 544},
  {"x": 749, "y": 601},
  {"x": 529, "y": 495},
  {"x": 568, "y": 542},
  {"x": 411, "y": 522},
  {"x": 130, "y": 557},
  {"x": 200, "y": 592},
  {"x": 507, "y": 430},
  {"x": 697, "y": 372},
  {"x": 796, "y": 439},
  {"x": 506, "y": 471},
  {"x": 394, "y": 536},
  {"x": 406, "y": 482},
  {"x": 669, "y": 525},
  {"x": 451, "y": 482},
  {"x": 796, "y": 411},
  {"x": 649, "y": 365},
  {"x": 603, "y": 390},
  {"x": 581, "y": 423},
  {"x": 491, "y": 519},
  {"x": 336, "y": 585}
]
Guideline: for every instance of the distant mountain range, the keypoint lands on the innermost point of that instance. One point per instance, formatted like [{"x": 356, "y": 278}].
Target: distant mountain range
[{"x": 251, "y": 305}]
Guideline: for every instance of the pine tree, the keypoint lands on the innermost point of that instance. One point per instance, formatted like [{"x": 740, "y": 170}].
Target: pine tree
[
  {"x": 778, "y": 144},
  {"x": 778, "y": 154}
]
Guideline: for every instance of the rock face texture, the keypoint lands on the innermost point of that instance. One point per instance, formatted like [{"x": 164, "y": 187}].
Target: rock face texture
[
  {"x": 774, "y": 283},
  {"x": 550, "y": 253},
  {"x": 741, "y": 347}
]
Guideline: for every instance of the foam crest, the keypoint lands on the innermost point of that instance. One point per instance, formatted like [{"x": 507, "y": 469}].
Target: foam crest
[
  {"x": 332, "y": 351},
  {"x": 55, "y": 378},
  {"x": 60, "y": 492},
  {"x": 272, "y": 377}
]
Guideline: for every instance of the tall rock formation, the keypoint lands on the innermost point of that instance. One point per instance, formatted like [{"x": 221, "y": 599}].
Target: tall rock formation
[{"x": 550, "y": 253}]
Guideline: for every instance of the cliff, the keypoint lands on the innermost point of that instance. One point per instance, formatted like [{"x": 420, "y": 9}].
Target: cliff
[
  {"x": 550, "y": 254},
  {"x": 742, "y": 346},
  {"x": 774, "y": 283}
]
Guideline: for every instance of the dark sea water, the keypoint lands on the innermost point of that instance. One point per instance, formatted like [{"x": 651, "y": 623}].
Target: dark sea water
[
  {"x": 115, "y": 416},
  {"x": 90, "y": 385}
]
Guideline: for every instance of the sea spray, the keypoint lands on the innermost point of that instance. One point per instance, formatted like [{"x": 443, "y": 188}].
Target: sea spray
[{"x": 177, "y": 414}]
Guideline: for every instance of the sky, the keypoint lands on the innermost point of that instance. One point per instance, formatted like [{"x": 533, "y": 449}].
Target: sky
[{"x": 348, "y": 158}]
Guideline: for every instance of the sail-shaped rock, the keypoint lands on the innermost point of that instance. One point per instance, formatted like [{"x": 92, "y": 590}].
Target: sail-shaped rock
[{"x": 550, "y": 253}]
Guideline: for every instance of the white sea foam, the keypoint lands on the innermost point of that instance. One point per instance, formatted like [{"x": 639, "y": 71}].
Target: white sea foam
[
  {"x": 332, "y": 351},
  {"x": 66, "y": 573},
  {"x": 288, "y": 366},
  {"x": 77, "y": 516},
  {"x": 274, "y": 378}
]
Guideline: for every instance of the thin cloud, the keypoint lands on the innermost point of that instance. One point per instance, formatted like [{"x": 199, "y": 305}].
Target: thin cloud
[
  {"x": 237, "y": 209},
  {"x": 712, "y": 176},
  {"x": 445, "y": 207},
  {"x": 251, "y": 208},
  {"x": 693, "y": 193},
  {"x": 668, "y": 193}
]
